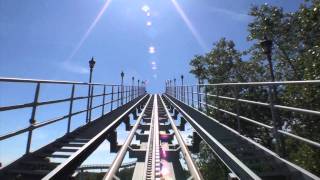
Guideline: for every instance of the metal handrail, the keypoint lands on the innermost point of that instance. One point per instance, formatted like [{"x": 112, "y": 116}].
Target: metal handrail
[
  {"x": 260, "y": 83},
  {"x": 288, "y": 108},
  {"x": 198, "y": 97},
  {"x": 316, "y": 144},
  {"x": 28, "y": 105},
  {"x": 235, "y": 165},
  {"x": 220, "y": 151},
  {"x": 24, "y": 80},
  {"x": 128, "y": 93},
  {"x": 242, "y": 117},
  {"x": 60, "y": 169}
]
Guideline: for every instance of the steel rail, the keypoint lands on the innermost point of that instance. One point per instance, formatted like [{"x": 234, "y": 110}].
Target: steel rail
[
  {"x": 50, "y": 121},
  {"x": 288, "y": 108},
  {"x": 24, "y": 80},
  {"x": 18, "y": 106},
  {"x": 27, "y": 105},
  {"x": 194, "y": 171},
  {"x": 121, "y": 154},
  {"x": 236, "y": 166},
  {"x": 62, "y": 169},
  {"x": 306, "y": 111},
  {"x": 149, "y": 145},
  {"x": 308, "y": 141},
  {"x": 305, "y": 140},
  {"x": 155, "y": 134},
  {"x": 305, "y": 172},
  {"x": 156, "y": 143},
  {"x": 241, "y": 117},
  {"x": 46, "y": 122},
  {"x": 262, "y": 83}
]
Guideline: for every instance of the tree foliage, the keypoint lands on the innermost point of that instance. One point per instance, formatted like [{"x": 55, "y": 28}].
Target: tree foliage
[{"x": 296, "y": 56}]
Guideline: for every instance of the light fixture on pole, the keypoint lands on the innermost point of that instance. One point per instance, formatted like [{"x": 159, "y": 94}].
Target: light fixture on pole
[{"x": 122, "y": 75}]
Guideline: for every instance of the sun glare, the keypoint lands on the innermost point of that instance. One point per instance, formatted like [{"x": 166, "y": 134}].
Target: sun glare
[
  {"x": 189, "y": 24},
  {"x": 88, "y": 32},
  {"x": 152, "y": 49},
  {"x": 149, "y": 23},
  {"x": 145, "y": 8}
]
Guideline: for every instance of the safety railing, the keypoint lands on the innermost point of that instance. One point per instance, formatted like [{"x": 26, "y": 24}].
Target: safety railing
[
  {"x": 208, "y": 97},
  {"x": 118, "y": 95}
]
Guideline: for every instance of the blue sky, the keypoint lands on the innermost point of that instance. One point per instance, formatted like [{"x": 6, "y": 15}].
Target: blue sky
[
  {"x": 38, "y": 37},
  {"x": 54, "y": 40}
]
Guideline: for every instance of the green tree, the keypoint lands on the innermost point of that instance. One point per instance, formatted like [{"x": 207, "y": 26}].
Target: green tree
[
  {"x": 296, "y": 56},
  {"x": 210, "y": 166},
  {"x": 295, "y": 36},
  {"x": 198, "y": 67}
]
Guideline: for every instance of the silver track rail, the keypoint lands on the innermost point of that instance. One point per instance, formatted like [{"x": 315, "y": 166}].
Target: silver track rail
[
  {"x": 154, "y": 110},
  {"x": 152, "y": 160},
  {"x": 121, "y": 154},
  {"x": 194, "y": 171}
]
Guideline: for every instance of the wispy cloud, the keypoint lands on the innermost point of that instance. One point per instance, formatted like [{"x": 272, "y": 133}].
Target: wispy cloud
[
  {"x": 231, "y": 14},
  {"x": 74, "y": 68}
]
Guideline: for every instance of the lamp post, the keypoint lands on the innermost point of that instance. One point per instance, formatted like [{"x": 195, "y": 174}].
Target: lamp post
[
  {"x": 122, "y": 75},
  {"x": 266, "y": 45},
  {"x": 182, "y": 89},
  {"x": 167, "y": 82},
  {"x": 182, "y": 79},
  {"x": 138, "y": 87},
  {"x": 170, "y": 84},
  {"x": 166, "y": 87},
  {"x": 175, "y": 87},
  {"x": 199, "y": 72},
  {"x": 132, "y": 89},
  {"x": 92, "y": 62}
]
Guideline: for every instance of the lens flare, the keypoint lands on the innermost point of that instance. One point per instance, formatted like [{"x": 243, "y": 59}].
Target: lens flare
[
  {"x": 154, "y": 65},
  {"x": 164, "y": 153},
  {"x": 165, "y": 171},
  {"x": 152, "y": 49},
  {"x": 189, "y": 24},
  {"x": 145, "y": 8},
  {"x": 93, "y": 24},
  {"x": 149, "y": 23}
]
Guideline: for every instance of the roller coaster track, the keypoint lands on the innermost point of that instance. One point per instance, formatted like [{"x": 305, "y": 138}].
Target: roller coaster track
[{"x": 161, "y": 145}]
